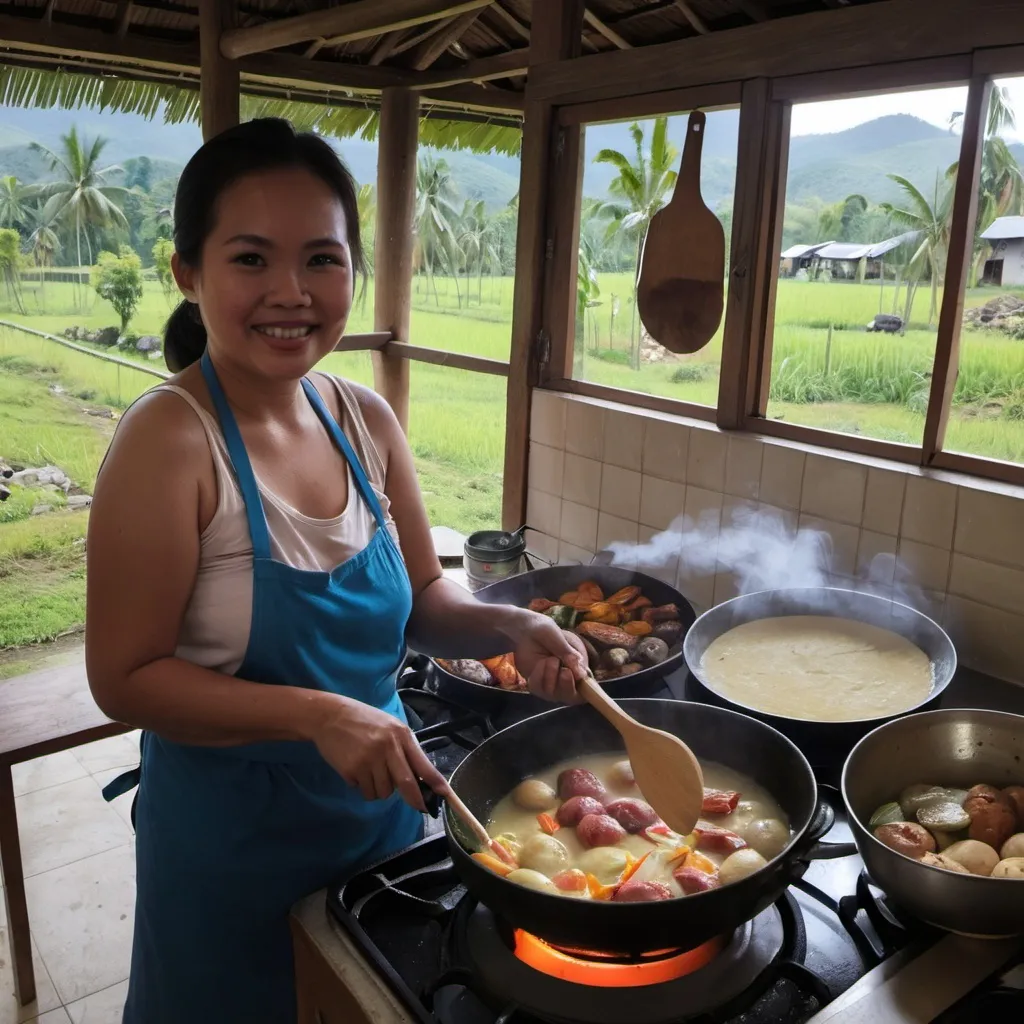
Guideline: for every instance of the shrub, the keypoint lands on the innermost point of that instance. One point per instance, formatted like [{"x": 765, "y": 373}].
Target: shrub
[
  {"x": 118, "y": 279},
  {"x": 162, "y": 252},
  {"x": 692, "y": 373}
]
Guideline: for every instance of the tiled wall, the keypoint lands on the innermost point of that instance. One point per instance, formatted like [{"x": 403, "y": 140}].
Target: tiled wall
[{"x": 601, "y": 473}]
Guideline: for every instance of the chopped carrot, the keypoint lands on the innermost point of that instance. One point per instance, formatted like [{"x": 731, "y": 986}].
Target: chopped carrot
[
  {"x": 632, "y": 867},
  {"x": 681, "y": 856},
  {"x": 547, "y": 824},
  {"x": 599, "y": 891},
  {"x": 503, "y": 854},
  {"x": 702, "y": 863},
  {"x": 492, "y": 862}
]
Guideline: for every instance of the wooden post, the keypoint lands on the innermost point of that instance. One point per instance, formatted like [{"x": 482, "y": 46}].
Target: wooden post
[
  {"x": 396, "y": 204},
  {"x": 556, "y": 34},
  {"x": 961, "y": 254},
  {"x": 218, "y": 81}
]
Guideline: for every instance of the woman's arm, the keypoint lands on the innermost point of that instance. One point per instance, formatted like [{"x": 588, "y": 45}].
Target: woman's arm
[{"x": 447, "y": 621}]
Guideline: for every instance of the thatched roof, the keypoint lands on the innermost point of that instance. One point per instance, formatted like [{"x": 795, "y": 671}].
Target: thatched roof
[{"x": 143, "y": 55}]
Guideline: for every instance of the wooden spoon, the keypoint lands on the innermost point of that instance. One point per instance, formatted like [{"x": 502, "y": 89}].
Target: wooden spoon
[
  {"x": 665, "y": 769},
  {"x": 680, "y": 293},
  {"x": 473, "y": 824}
]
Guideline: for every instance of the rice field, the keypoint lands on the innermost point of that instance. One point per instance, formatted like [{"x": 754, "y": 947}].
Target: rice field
[{"x": 853, "y": 382}]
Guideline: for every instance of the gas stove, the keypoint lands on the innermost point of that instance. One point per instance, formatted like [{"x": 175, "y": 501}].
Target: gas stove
[{"x": 822, "y": 952}]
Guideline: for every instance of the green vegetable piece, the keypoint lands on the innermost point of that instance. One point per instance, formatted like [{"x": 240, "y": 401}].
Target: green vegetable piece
[
  {"x": 887, "y": 814},
  {"x": 946, "y": 816},
  {"x": 564, "y": 616}
]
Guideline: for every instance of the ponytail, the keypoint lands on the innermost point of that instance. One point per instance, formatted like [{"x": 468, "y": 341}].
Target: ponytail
[{"x": 184, "y": 337}]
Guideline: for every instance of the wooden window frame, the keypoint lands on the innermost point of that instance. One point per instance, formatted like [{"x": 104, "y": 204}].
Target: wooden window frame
[{"x": 758, "y": 205}]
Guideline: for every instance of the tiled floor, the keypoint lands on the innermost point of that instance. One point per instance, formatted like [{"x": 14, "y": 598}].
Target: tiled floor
[{"x": 79, "y": 858}]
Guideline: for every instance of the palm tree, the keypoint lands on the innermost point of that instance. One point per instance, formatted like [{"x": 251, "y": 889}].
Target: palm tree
[
  {"x": 434, "y": 217},
  {"x": 366, "y": 200},
  {"x": 1001, "y": 187},
  {"x": 12, "y": 201},
  {"x": 81, "y": 198},
  {"x": 930, "y": 223},
  {"x": 44, "y": 244},
  {"x": 835, "y": 220},
  {"x": 641, "y": 186}
]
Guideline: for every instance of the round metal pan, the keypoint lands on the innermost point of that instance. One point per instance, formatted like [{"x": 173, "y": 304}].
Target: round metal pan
[
  {"x": 951, "y": 747},
  {"x": 550, "y": 583},
  {"x": 826, "y": 744}
]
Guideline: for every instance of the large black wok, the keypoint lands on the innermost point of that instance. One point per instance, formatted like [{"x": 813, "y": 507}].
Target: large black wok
[
  {"x": 826, "y": 744},
  {"x": 550, "y": 583},
  {"x": 494, "y": 768}
]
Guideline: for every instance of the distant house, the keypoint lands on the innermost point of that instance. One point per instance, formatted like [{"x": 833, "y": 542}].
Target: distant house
[
  {"x": 1005, "y": 266},
  {"x": 799, "y": 257},
  {"x": 844, "y": 260}
]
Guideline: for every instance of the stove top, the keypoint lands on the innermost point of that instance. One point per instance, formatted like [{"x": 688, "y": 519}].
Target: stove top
[{"x": 450, "y": 961}]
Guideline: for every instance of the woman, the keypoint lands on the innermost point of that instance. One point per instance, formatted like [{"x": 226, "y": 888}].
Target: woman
[{"x": 258, "y": 556}]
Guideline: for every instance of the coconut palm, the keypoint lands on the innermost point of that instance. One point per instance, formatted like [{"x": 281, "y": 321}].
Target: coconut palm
[
  {"x": 13, "y": 207},
  {"x": 82, "y": 197},
  {"x": 366, "y": 200},
  {"x": 929, "y": 221},
  {"x": 434, "y": 218},
  {"x": 1001, "y": 186},
  {"x": 641, "y": 186},
  {"x": 44, "y": 244}
]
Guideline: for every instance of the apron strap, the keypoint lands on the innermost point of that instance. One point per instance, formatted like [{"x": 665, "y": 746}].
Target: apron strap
[
  {"x": 254, "y": 513},
  {"x": 345, "y": 447}
]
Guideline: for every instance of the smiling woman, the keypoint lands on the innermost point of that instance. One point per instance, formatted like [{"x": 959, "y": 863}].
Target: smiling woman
[{"x": 259, "y": 554}]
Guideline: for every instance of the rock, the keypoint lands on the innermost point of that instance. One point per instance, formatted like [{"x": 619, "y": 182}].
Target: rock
[
  {"x": 79, "y": 501},
  {"x": 107, "y": 337},
  {"x": 47, "y": 475},
  {"x": 148, "y": 343},
  {"x": 886, "y": 322},
  {"x": 38, "y": 510},
  {"x": 105, "y": 414},
  {"x": 5, "y": 492}
]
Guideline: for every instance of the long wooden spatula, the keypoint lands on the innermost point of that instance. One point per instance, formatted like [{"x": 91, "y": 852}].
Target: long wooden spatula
[
  {"x": 680, "y": 292},
  {"x": 665, "y": 769}
]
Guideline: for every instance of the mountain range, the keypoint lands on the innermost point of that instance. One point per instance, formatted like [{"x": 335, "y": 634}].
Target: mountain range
[{"x": 827, "y": 167}]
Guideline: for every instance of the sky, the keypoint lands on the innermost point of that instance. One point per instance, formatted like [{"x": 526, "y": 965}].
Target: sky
[{"x": 933, "y": 105}]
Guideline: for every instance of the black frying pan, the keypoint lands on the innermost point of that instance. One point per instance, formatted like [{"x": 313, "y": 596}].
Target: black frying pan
[
  {"x": 500, "y": 763},
  {"x": 551, "y": 583}
]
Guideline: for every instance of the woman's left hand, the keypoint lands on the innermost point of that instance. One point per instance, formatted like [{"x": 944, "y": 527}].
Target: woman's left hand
[{"x": 549, "y": 658}]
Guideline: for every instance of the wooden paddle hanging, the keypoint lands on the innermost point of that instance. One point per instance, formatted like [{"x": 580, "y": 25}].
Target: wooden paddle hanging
[{"x": 680, "y": 292}]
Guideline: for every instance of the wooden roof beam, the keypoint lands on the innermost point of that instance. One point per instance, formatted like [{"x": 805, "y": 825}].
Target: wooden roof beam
[
  {"x": 123, "y": 17},
  {"x": 502, "y": 65},
  {"x": 357, "y": 20},
  {"x": 697, "y": 23},
  {"x": 610, "y": 34},
  {"x": 752, "y": 9},
  {"x": 385, "y": 47},
  {"x": 521, "y": 30},
  {"x": 430, "y": 49}
]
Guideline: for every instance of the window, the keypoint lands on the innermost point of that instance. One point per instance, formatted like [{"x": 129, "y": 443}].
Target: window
[
  {"x": 629, "y": 172},
  {"x": 987, "y": 413},
  {"x": 865, "y": 236}
]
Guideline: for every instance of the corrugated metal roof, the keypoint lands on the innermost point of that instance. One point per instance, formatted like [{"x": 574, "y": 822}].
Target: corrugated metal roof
[
  {"x": 1004, "y": 227},
  {"x": 795, "y": 252},
  {"x": 862, "y": 250}
]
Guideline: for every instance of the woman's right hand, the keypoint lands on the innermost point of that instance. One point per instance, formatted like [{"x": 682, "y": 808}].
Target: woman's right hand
[{"x": 373, "y": 750}]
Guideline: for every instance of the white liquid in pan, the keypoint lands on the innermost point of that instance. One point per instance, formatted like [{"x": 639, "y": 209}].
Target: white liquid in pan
[{"x": 818, "y": 668}]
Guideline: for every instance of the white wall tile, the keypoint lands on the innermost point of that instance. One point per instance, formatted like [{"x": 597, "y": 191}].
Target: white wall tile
[
  {"x": 743, "y": 466},
  {"x": 546, "y": 468},
  {"x": 833, "y": 489},
  {"x": 883, "y": 502},
  {"x": 547, "y": 418},
  {"x": 929, "y": 511},
  {"x": 666, "y": 449},
  {"x": 782, "y": 475},
  {"x": 543, "y": 511},
  {"x": 584, "y": 429},
  {"x": 582, "y": 480},
  {"x": 990, "y": 527},
  {"x": 623, "y": 439},
  {"x": 578, "y": 526},
  {"x": 620, "y": 492}
]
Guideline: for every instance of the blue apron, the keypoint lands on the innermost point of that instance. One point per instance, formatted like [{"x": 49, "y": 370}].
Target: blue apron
[{"x": 228, "y": 839}]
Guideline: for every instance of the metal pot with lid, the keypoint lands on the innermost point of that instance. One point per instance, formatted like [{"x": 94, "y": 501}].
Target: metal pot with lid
[{"x": 490, "y": 555}]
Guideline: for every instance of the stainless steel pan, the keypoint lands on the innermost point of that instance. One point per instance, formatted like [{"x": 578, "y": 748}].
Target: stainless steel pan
[{"x": 952, "y": 747}]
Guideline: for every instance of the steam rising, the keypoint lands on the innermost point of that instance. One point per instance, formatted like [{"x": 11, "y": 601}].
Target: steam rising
[{"x": 763, "y": 552}]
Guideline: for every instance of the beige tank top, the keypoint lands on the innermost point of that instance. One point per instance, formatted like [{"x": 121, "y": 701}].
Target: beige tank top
[{"x": 215, "y": 629}]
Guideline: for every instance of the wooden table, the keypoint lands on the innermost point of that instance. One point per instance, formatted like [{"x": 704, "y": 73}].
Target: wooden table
[{"x": 40, "y": 713}]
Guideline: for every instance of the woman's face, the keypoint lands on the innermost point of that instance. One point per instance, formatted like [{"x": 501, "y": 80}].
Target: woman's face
[{"x": 274, "y": 284}]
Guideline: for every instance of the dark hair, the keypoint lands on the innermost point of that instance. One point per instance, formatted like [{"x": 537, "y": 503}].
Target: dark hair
[{"x": 266, "y": 144}]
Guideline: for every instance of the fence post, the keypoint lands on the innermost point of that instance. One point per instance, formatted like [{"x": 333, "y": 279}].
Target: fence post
[{"x": 828, "y": 350}]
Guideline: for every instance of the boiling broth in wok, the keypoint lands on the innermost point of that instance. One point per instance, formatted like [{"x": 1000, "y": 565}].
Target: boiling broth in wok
[
  {"x": 582, "y": 829},
  {"x": 818, "y": 668}
]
